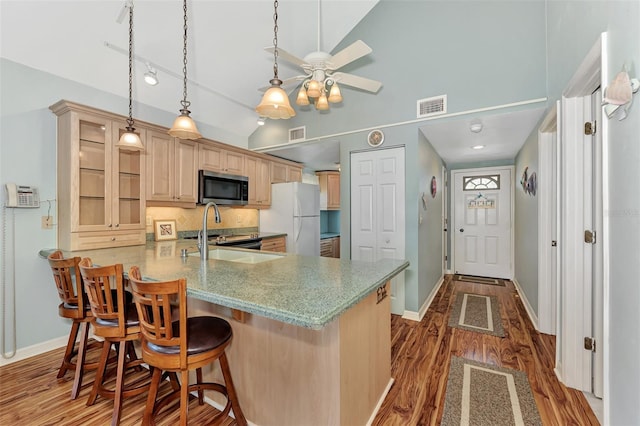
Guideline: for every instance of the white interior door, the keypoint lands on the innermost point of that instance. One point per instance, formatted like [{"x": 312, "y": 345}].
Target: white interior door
[
  {"x": 378, "y": 213},
  {"x": 482, "y": 222}
]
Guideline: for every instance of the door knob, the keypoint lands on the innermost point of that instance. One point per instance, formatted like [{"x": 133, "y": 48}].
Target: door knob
[{"x": 461, "y": 229}]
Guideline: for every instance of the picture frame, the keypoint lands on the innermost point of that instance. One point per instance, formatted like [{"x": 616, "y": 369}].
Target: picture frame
[{"x": 165, "y": 230}]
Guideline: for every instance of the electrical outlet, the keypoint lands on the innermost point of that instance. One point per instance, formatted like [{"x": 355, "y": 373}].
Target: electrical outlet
[
  {"x": 47, "y": 222},
  {"x": 238, "y": 219},
  {"x": 149, "y": 221}
]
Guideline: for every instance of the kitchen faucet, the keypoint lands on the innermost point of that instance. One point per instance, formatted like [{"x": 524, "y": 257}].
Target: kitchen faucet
[{"x": 203, "y": 245}]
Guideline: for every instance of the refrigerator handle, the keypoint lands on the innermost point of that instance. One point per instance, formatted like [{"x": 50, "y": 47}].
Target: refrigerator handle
[{"x": 299, "y": 221}]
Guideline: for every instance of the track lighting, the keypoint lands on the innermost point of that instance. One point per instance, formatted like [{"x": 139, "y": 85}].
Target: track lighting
[{"x": 150, "y": 77}]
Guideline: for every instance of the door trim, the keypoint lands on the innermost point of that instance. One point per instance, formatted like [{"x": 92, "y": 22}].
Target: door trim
[
  {"x": 511, "y": 211},
  {"x": 547, "y": 194},
  {"x": 591, "y": 73}
]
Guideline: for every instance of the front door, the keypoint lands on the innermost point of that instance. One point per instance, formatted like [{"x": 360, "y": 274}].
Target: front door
[
  {"x": 482, "y": 222},
  {"x": 378, "y": 213}
]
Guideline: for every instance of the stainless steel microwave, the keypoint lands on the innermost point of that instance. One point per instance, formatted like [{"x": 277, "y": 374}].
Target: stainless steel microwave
[{"x": 222, "y": 189}]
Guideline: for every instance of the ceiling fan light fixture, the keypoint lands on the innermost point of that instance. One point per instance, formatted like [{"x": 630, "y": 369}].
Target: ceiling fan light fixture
[
  {"x": 334, "y": 94},
  {"x": 302, "y": 98},
  {"x": 321, "y": 103},
  {"x": 130, "y": 141},
  {"x": 313, "y": 91},
  {"x": 184, "y": 127}
]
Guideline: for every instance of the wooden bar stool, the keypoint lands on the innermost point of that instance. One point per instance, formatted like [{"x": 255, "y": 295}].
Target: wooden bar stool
[
  {"x": 73, "y": 306},
  {"x": 180, "y": 346},
  {"x": 115, "y": 320}
]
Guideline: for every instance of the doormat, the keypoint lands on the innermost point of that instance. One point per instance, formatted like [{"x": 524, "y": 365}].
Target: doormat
[
  {"x": 479, "y": 280},
  {"x": 477, "y": 312},
  {"x": 483, "y": 394}
]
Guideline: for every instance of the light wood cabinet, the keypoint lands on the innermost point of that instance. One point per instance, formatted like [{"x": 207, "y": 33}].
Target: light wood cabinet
[
  {"x": 100, "y": 187},
  {"x": 330, "y": 247},
  {"x": 285, "y": 173},
  {"x": 258, "y": 171},
  {"x": 217, "y": 159},
  {"x": 278, "y": 244},
  {"x": 172, "y": 166},
  {"x": 329, "y": 190}
]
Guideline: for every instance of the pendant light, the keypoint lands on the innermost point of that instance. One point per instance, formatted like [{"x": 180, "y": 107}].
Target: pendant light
[
  {"x": 130, "y": 141},
  {"x": 184, "y": 127},
  {"x": 275, "y": 102}
]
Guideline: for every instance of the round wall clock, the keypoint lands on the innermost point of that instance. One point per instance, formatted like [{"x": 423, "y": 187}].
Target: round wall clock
[
  {"x": 375, "y": 138},
  {"x": 434, "y": 187}
]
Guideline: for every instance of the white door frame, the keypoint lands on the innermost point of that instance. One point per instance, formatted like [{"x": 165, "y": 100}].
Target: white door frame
[
  {"x": 548, "y": 197},
  {"x": 573, "y": 363},
  {"x": 445, "y": 227},
  {"x": 483, "y": 170}
]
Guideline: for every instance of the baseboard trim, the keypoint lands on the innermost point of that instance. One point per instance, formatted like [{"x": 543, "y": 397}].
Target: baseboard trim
[
  {"x": 380, "y": 401},
  {"x": 417, "y": 316},
  {"x": 37, "y": 349},
  {"x": 220, "y": 407},
  {"x": 527, "y": 306}
]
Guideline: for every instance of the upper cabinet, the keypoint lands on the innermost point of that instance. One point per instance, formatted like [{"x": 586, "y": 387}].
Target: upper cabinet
[
  {"x": 217, "y": 159},
  {"x": 172, "y": 169},
  {"x": 258, "y": 171},
  {"x": 100, "y": 187},
  {"x": 329, "y": 190},
  {"x": 281, "y": 172}
]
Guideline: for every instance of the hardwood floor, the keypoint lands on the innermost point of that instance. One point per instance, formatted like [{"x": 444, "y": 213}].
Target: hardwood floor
[
  {"x": 421, "y": 353},
  {"x": 30, "y": 394}
]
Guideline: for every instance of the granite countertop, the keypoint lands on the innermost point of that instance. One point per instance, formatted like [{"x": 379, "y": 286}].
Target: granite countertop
[
  {"x": 326, "y": 235},
  {"x": 306, "y": 291}
]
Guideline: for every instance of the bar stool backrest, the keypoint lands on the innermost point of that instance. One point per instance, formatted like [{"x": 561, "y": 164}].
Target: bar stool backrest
[{"x": 68, "y": 281}]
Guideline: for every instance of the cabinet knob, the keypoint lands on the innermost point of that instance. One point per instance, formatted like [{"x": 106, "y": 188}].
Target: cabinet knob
[
  {"x": 110, "y": 226},
  {"x": 113, "y": 239},
  {"x": 117, "y": 225}
]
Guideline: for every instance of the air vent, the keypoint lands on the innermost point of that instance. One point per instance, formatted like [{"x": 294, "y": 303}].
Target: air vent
[
  {"x": 432, "y": 106},
  {"x": 297, "y": 134}
]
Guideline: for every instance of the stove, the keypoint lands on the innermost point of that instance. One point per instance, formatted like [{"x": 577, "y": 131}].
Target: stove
[{"x": 248, "y": 241}]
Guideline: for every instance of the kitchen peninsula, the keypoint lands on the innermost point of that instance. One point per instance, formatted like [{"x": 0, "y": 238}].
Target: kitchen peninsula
[{"x": 311, "y": 334}]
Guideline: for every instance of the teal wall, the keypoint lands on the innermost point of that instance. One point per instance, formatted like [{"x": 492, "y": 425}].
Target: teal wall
[
  {"x": 567, "y": 46},
  {"x": 27, "y": 157},
  {"x": 526, "y": 223},
  {"x": 479, "y": 53}
]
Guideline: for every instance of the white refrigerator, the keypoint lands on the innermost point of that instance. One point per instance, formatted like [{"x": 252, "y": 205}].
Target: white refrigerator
[{"x": 295, "y": 210}]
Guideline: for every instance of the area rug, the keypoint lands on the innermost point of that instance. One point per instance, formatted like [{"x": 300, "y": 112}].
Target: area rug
[
  {"x": 479, "y": 280},
  {"x": 483, "y": 394},
  {"x": 477, "y": 312}
]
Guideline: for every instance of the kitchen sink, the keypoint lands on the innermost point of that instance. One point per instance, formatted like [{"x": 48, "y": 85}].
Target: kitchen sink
[{"x": 239, "y": 256}]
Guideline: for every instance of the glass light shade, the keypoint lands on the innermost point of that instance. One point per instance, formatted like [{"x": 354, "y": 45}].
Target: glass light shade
[
  {"x": 334, "y": 95},
  {"x": 151, "y": 78},
  {"x": 313, "y": 91},
  {"x": 184, "y": 127},
  {"x": 275, "y": 104},
  {"x": 130, "y": 141},
  {"x": 302, "y": 98},
  {"x": 321, "y": 103}
]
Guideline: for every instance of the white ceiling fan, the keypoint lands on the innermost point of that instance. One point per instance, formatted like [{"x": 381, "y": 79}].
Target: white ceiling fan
[{"x": 322, "y": 67}]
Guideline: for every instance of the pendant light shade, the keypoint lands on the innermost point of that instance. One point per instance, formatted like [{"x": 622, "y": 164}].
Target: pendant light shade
[
  {"x": 321, "y": 103},
  {"x": 334, "y": 94},
  {"x": 184, "y": 127},
  {"x": 275, "y": 102},
  {"x": 313, "y": 91},
  {"x": 302, "y": 98},
  {"x": 130, "y": 141}
]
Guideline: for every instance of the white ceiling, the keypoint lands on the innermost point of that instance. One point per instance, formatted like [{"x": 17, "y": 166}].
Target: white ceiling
[
  {"x": 81, "y": 40},
  {"x": 227, "y": 63}
]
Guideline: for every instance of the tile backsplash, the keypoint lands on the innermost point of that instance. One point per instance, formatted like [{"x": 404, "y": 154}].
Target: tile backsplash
[{"x": 191, "y": 219}]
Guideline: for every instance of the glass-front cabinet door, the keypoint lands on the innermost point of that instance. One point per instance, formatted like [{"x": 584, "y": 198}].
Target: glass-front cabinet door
[
  {"x": 93, "y": 176},
  {"x": 128, "y": 207}
]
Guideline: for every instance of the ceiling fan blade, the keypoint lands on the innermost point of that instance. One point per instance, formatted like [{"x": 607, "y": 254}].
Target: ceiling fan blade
[
  {"x": 357, "y": 82},
  {"x": 349, "y": 54},
  {"x": 288, "y": 83},
  {"x": 289, "y": 57}
]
